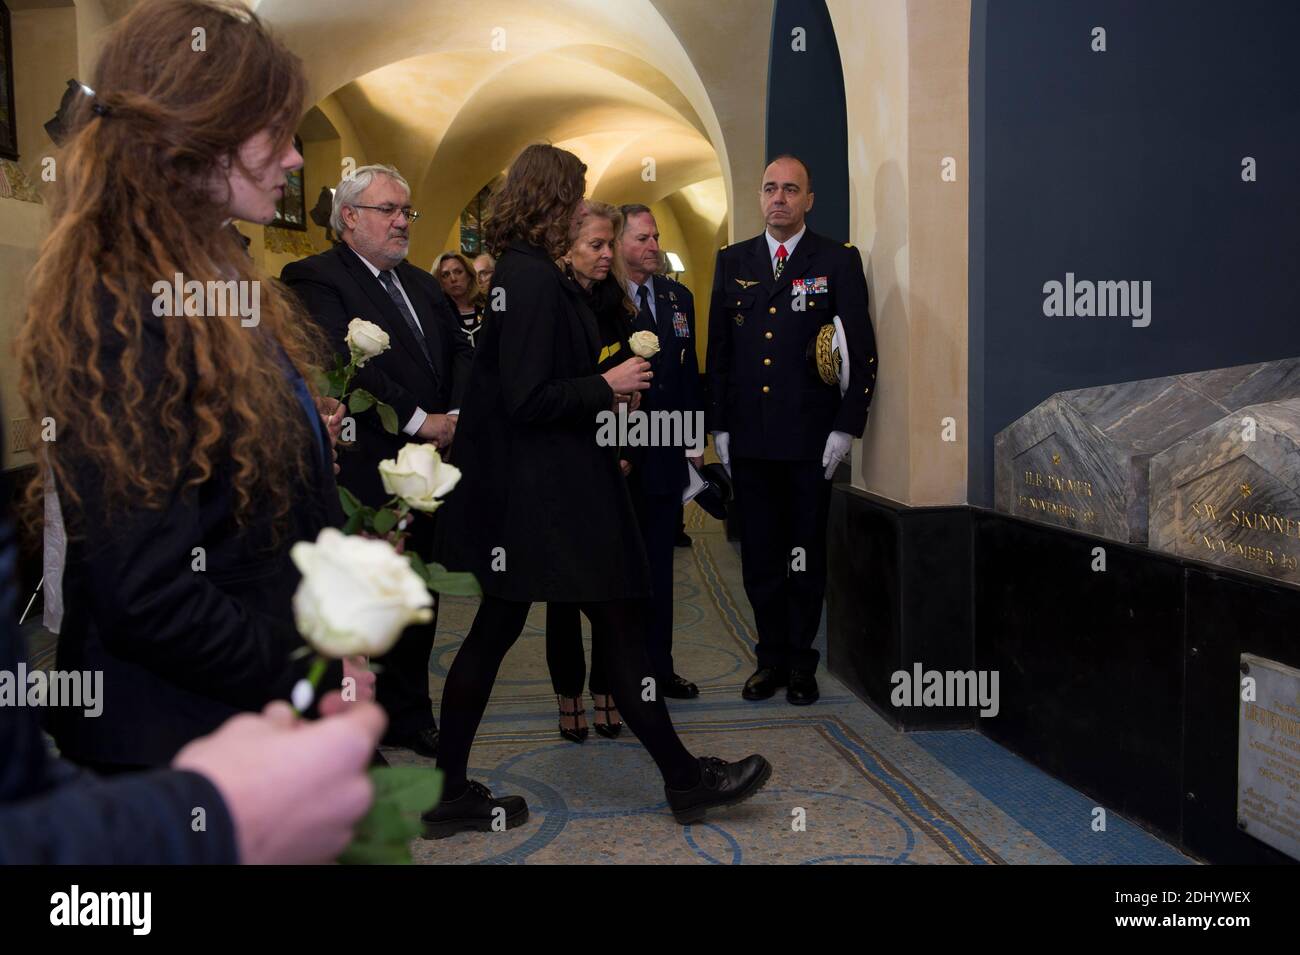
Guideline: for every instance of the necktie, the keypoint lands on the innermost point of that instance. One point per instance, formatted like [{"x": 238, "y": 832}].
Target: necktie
[
  {"x": 781, "y": 253},
  {"x": 645, "y": 319},
  {"x": 390, "y": 286}
]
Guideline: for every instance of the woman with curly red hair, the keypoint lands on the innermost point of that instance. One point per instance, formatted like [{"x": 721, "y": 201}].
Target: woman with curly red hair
[{"x": 188, "y": 454}]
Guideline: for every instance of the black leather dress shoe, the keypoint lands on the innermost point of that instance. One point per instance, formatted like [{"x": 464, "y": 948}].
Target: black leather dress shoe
[
  {"x": 764, "y": 683},
  {"x": 474, "y": 810},
  {"x": 424, "y": 742},
  {"x": 803, "y": 688},
  {"x": 721, "y": 784},
  {"x": 680, "y": 688}
]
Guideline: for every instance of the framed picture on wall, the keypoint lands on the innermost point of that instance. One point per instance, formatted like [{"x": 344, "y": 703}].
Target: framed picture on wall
[
  {"x": 8, "y": 121},
  {"x": 291, "y": 210}
]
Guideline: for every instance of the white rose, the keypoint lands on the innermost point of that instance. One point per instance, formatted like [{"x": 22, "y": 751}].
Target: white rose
[
  {"x": 366, "y": 340},
  {"x": 419, "y": 476},
  {"x": 644, "y": 344},
  {"x": 356, "y": 596}
]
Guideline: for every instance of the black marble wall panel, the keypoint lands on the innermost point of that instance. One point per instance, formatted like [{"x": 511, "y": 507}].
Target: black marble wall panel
[
  {"x": 1089, "y": 662},
  {"x": 898, "y": 593}
]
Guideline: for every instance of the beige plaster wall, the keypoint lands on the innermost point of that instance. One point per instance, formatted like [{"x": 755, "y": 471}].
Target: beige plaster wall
[{"x": 905, "y": 76}]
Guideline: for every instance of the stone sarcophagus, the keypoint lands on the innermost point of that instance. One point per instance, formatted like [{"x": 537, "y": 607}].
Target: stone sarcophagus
[
  {"x": 1080, "y": 459},
  {"x": 1230, "y": 493}
]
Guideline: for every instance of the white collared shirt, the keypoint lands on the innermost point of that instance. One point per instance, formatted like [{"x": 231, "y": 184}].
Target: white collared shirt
[
  {"x": 789, "y": 244},
  {"x": 632, "y": 288},
  {"x": 417, "y": 417}
]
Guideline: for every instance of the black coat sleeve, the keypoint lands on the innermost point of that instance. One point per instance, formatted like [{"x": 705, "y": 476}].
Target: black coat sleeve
[
  {"x": 53, "y": 813},
  {"x": 146, "y": 819},
  {"x": 529, "y": 333},
  {"x": 321, "y": 297},
  {"x": 851, "y": 301},
  {"x": 718, "y": 355},
  {"x": 152, "y": 607}
]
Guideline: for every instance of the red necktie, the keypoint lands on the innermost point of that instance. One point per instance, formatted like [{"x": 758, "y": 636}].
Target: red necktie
[{"x": 781, "y": 253}]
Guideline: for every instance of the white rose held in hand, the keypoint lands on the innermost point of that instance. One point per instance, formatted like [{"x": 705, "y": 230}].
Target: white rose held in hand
[
  {"x": 644, "y": 344},
  {"x": 418, "y": 477},
  {"x": 366, "y": 340},
  {"x": 356, "y": 596}
]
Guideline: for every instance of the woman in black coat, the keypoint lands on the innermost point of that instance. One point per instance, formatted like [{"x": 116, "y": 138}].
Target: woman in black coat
[
  {"x": 591, "y": 262},
  {"x": 187, "y": 454},
  {"x": 541, "y": 512}
]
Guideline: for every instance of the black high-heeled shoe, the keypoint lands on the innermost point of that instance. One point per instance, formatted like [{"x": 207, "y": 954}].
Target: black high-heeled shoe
[
  {"x": 606, "y": 729},
  {"x": 577, "y": 734}
]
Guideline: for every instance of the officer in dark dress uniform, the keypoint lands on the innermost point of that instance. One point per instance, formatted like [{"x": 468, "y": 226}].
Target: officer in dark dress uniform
[
  {"x": 778, "y": 424},
  {"x": 666, "y": 308}
]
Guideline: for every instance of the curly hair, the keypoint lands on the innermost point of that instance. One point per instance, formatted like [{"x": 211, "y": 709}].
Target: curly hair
[
  {"x": 135, "y": 204},
  {"x": 535, "y": 204}
]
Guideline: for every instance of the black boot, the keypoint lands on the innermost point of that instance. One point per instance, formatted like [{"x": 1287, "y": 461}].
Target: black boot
[
  {"x": 721, "y": 784},
  {"x": 474, "y": 810}
]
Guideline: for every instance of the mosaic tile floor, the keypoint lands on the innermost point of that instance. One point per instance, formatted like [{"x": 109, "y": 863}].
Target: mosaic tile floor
[{"x": 846, "y": 787}]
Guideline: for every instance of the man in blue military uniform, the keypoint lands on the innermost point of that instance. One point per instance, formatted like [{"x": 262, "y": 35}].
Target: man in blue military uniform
[
  {"x": 782, "y": 418},
  {"x": 659, "y": 474}
]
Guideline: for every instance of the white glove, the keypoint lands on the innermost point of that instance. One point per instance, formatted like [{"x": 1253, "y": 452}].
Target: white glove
[
  {"x": 722, "y": 445},
  {"x": 838, "y": 445}
]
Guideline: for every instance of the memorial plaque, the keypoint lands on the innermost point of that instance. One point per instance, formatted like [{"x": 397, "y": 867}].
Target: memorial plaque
[
  {"x": 1268, "y": 754},
  {"x": 1230, "y": 493},
  {"x": 1081, "y": 458}
]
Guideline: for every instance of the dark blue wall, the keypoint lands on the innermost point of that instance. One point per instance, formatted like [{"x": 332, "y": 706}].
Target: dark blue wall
[
  {"x": 1127, "y": 165},
  {"x": 806, "y": 114}
]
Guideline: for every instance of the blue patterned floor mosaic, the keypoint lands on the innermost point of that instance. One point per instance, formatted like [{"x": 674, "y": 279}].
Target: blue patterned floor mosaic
[{"x": 846, "y": 787}]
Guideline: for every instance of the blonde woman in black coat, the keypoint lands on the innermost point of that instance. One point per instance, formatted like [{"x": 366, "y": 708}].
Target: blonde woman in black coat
[
  {"x": 541, "y": 512},
  {"x": 591, "y": 262}
]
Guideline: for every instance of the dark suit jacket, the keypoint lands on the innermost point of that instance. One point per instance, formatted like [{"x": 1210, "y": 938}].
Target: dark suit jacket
[
  {"x": 181, "y": 649},
  {"x": 758, "y": 338},
  {"x": 542, "y": 511},
  {"x": 675, "y": 386},
  {"x": 53, "y": 813},
  {"x": 336, "y": 287}
]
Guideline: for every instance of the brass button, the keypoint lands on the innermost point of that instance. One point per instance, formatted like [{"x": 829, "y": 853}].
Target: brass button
[
  {"x": 868, "y": 390},
  {"x": 767, "y": 334},
  {"x": 767, "y": 361},
  {"x": 772, "y": 310},
  {"x": 737, "y": 301},
  {"x": 871, "y": 359},
  {"x": 766, "y": 389}
]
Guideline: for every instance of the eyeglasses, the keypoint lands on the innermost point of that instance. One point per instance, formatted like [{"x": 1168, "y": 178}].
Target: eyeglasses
[{"x": 388, "y": 210}]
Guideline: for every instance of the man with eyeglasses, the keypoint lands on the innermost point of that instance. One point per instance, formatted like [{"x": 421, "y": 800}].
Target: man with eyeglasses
[{"x": 421, "y": 376}]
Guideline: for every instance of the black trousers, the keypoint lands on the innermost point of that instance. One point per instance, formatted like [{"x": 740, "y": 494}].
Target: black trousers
[
  {"x": 564, "y": 653},
  {"x": 783, "y": 505},
  {"x": 497, "y": 625},
  {"x": 660, "y": 517},
  {"x": 402, "y": 684}
]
